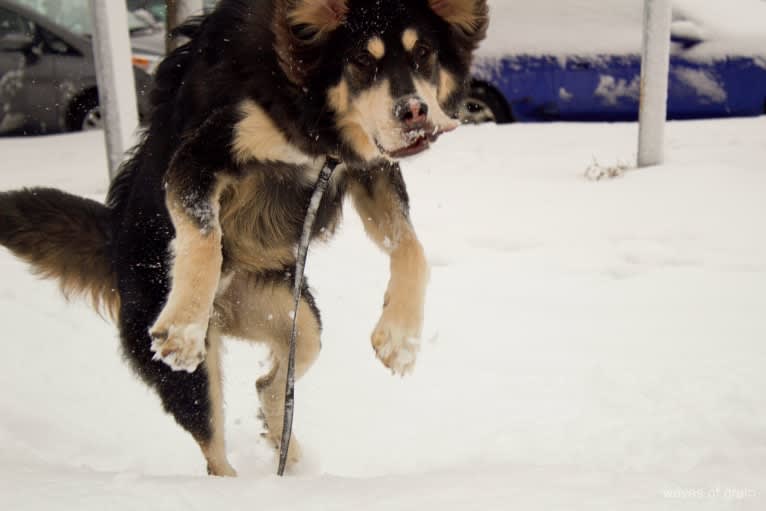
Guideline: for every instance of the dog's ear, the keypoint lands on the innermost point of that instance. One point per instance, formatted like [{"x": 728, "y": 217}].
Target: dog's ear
[
  {"x": 311, "y": 19},
  {"x": 299, "y": 28},
  {"x": 469, "y": 16}
]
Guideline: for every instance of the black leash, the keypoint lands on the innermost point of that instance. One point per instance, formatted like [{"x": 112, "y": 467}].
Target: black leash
[{"x": 300, "y": 264}]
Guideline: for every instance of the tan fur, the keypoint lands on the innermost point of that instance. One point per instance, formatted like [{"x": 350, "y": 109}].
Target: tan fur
[
  {"x": 178, "y": 334},
  {"x": 447, "y": 85},
  {"x": 409, "y": 39},
  {"x": 215, "y": 449},
  {"x": 386, "y": 222},
  {"x": 366, "y": 123},
  {"x": 370, "y": 108},
  {"x": 321, "y": 15},
  {"x": 257, "y": 137},
  {"x": 376, "y": 47},
  {"x": 429, "y": 92},
  {"x": 195, "y": 274},
  {"x": 358, "y": 139},
  {"x": 338, "y": 97},
  {"x": 409, "y": 278},
  {"x": 254, "y": 226},
  {"x": 465, "y": 14},
  {"x": 85, "y": 277},
  {"x": 258, "y": 310},
  {"x": 351, "y": 118}
]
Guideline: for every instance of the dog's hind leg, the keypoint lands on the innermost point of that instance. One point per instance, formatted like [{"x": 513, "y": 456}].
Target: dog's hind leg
[
  {"x": 194, "y": 399},
  {"x": 260, "y": 308},
  {"x": 214, "y": 448}
]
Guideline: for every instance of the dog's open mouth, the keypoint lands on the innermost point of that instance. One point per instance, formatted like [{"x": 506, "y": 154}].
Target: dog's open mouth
[
  {"x": 418, "y": 140},
  {"x": 420, "y": 144}
]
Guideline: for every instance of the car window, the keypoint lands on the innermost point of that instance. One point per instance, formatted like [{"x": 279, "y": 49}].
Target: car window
[
  {"x": 158, "y": 8},
  {"x": 154, "y": 7},
  {"x": 12, "y": 23},
  {"x": 75, "y": 14},
  {"x": 56, "y": 45}
]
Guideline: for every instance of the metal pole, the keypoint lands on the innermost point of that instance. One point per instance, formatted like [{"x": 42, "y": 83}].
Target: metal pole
[
  {"x": 116, "y": 85},
  {"x": 655, "y": 65}
]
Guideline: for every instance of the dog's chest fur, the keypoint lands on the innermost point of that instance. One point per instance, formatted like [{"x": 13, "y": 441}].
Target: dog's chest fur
[{"x": 262, "y": 214}]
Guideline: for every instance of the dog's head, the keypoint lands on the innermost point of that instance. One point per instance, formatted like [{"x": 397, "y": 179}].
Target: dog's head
[{"x": 391, "y": 72}]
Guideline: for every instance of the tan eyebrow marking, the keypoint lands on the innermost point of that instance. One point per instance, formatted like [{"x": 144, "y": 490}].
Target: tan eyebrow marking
[
  {"x": 409, "y": 38},
  {"x": 447, "y": 85},
  {"x": 376, "y": 47}
]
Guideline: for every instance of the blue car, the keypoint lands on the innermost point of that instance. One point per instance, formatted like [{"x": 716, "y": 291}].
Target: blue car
[{"x": 549, "y": 61}]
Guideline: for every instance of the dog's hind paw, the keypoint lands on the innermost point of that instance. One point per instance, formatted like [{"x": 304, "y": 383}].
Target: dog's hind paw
[
  {"x": 182, "y": 347},
  {"x": 396, "y": 347}
]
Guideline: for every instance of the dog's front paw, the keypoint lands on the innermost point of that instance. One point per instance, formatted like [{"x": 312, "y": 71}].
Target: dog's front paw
[
  {"x": 396, "y": 345},
  {"x": 182, "y": 347}
]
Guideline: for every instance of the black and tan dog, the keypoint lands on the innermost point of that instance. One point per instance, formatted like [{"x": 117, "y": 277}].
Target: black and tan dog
[{"x": 198, "y": 235}]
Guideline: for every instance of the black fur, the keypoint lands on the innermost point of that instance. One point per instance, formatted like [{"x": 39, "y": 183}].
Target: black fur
[{"x": 240, "y": 51}]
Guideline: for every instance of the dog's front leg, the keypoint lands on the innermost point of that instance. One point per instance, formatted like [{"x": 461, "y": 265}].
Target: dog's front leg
[
  {"x": 193, "y": 186},
  {"x": 381, "y": 199}
]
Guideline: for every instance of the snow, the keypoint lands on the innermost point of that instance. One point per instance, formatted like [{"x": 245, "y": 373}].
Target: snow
[
  {"x": 611, "y": 89},
  {"x": 598, "y": 27},
  {"x": 703, "y": 82},
  {"x": 592, "y": 345}
]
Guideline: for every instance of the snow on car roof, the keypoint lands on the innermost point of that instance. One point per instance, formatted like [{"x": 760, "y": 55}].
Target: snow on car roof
[
  {"x": 587, "y": 27},
  {"x": 733, "y": 27}
]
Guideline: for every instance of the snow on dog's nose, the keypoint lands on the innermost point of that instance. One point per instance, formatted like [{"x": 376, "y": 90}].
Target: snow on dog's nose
[
  {"x": 417, "y": 129},
  {"x": 412, "y": 112}
]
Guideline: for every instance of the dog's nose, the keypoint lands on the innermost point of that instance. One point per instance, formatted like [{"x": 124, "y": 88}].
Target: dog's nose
[{"x": 411, "y": 111}]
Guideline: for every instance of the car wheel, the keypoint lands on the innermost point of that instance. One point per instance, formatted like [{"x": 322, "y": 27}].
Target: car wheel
[
  {"x": 85, "y": 114},
  {"x": 484, "y": 104}
]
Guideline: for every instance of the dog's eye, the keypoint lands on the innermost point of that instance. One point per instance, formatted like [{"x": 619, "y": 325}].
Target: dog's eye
[
  {"x": 303, "y": 32},
  {"x": 364, "y": 61},
  {"x": 422, "y": 53}
]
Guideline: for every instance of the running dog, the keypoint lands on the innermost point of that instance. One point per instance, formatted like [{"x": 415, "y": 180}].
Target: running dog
[{"x": 198, "y": 236}]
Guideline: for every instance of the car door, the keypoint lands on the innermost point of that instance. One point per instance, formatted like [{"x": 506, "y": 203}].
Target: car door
[
  {"x": 599, "y": 88},
  {"x": 525, "y": 82},
  {"x": 75, "y": 75},
  {"x": 13, "y": 69},
  {"x": 743, "y": 78},
  {"x": 31, "y": 83},
  {"x": 716, "y": 87},
  {"x": 695, "y": 90}
]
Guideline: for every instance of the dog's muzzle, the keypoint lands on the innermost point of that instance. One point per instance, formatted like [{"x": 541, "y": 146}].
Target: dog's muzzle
[{"x": 417, "y": 129}]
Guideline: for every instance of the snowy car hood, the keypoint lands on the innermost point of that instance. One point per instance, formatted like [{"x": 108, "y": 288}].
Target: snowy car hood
[
  {"x": 152, "y": 42},
  {"x": 599, "y": 27}
]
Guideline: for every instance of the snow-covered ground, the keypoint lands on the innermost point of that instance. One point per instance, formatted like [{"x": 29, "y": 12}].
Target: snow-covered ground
[{"x": 589, "y": 345}]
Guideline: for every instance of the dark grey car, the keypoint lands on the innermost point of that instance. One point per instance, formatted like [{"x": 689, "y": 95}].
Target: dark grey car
[{"x": 47, "y": 71}]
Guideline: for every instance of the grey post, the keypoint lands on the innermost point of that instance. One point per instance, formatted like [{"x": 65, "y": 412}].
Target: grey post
[
  {"x": 655, "y": 65},
  {"x": 116, "y": 85}
]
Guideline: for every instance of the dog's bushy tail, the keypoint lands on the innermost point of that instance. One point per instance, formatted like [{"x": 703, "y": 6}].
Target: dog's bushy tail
[{"x": 64, "y": 237}]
